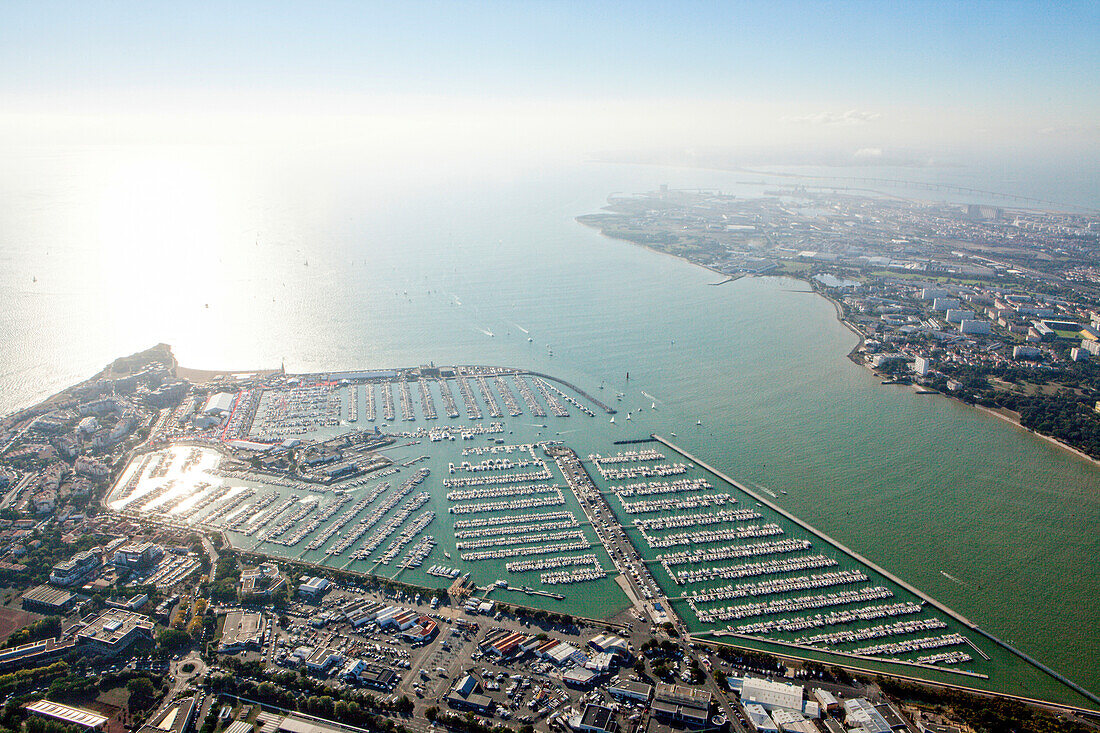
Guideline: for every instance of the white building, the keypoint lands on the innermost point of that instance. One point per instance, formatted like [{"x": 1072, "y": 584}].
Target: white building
[
  {"x": 1078, "y": 354},
  {"x": 922, "y": 365},
  {"x": 943, "y": 304},
  {"x": 760, "y": 720},
  {"x": 771, "y": 695},
  {"x": 788, "y": 721},
  {"x": 975, "y": 327},
  {"x": 1093, "y": 347},
  {"x": 1025, "y": 352},
  {"x": 219, "y": 404},
  {"x": 958, "y": 315}
]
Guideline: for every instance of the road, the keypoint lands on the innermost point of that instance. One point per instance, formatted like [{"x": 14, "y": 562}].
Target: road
[{"x": 211, "y": 553}]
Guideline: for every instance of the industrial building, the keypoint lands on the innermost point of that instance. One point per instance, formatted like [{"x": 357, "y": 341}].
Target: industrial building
[
  {"x": 466, "y": 696},
  {"x": 771, "y": 695},
  {"x": 630, "y": 690},
  {"x": 861, "y": 713},
  {"x": 312, "y": 587},
  {"x": 47, "y": 600},
  {"x": 219, "y": 404},
  {"x": 371, "y": 675},
  {"x": 596, "y": 719}
]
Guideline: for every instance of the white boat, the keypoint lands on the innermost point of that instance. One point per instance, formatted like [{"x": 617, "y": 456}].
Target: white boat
[{"x": 612, "y": 420}]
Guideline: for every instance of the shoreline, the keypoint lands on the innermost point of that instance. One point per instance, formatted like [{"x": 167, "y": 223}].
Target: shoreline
[
  {"x": 1015, "y": 421},
  {"x": 861, "y": 340}
]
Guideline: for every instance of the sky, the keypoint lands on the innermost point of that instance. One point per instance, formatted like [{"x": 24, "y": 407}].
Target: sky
[{"x": 857, "y": 77}]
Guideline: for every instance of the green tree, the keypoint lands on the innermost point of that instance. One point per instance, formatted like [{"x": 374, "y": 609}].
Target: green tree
[{"x": 142, "y": 693}]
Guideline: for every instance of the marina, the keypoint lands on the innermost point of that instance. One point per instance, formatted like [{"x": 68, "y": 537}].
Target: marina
[{"x": 483, "y": 490}]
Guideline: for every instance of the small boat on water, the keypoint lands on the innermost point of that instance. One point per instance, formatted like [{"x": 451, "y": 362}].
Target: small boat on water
[
  {"x": 612, "y": 420},
  {"x": 447, "y": 554}
]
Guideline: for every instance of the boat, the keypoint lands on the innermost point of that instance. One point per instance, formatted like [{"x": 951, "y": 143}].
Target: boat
[
  {"x": 529, "y": 339},
  {"x": 628, "y": 416},
  {"x": 698, "y": 422},
  {"x": 447, "y": 554},
  {"x": 653, "y": 406},
  {"x": 612, "y": 420}
]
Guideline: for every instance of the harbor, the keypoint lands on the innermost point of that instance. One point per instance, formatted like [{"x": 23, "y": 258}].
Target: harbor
[{"x": 490, "y": 489}]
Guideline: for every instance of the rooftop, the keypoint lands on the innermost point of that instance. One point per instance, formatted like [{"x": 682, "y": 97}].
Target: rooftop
[{"x": 67, "y": 714}]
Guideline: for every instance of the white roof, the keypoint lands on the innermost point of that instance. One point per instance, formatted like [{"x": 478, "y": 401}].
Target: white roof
[
  {"x": 78, "y": 716},
  {"x": 221, "y": 402}
]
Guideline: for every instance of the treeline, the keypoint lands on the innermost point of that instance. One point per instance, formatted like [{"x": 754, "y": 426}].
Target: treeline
[
  {"x": 985, "y": 714},
  {"x": 1065, "y": 415},
  {"x": 43, "y": 628},
  {"x": 292, "y": 691}
]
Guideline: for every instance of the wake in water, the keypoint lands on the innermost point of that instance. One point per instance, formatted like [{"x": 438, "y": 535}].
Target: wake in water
[
  {"x": 953, "y": 579},
  {"x": 521, "y": 328},
  {"x": 763, "y": 488}
]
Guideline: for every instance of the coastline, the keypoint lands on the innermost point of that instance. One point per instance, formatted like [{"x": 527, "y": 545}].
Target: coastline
[
  {"x": 861, "y": 340},
  {"x": 1015, "y": 421}
]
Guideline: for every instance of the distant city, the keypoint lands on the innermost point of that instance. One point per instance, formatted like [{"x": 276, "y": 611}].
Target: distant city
[{"x": 996, "y": 307}]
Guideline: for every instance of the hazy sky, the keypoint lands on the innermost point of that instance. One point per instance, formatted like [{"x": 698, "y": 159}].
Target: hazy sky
[{"x": 863, "y": 76}]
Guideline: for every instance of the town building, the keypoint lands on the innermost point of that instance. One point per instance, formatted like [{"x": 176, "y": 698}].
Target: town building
[
  {"x": 137, "y": 556},
  {"x": 975, "y": 327},
  {"x": 75, "y": 570},
  {"x": 242, "y": 630},
  {"x": 176, "y": 718},
  {"x": 1027, "y": 352},
  {"x": 624, "y": 689},
  {"x": 113, "y": 631},
  {"x": 678, "y": 704}
]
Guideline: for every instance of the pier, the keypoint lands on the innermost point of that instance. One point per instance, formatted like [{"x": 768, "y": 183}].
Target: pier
[{"x": 578, "y": 390}]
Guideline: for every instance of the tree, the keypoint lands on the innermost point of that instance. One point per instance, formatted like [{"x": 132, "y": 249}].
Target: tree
[
  {"x": 172, "y": 639},
  {"x": 142, "y": 693}
]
